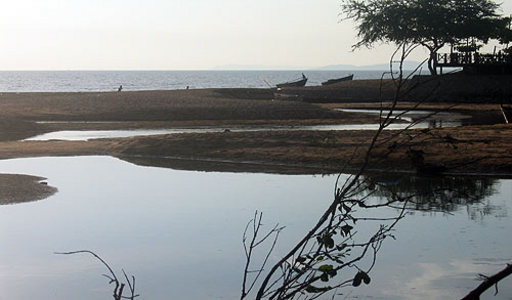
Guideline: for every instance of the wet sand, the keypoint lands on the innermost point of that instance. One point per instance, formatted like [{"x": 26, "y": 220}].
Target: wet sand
[
  {"x": 464, "y": 150},
  {"x": 469, "y": 149},
  {"x": 474, "y": 149},
  {"x": 18, "y": 188}
]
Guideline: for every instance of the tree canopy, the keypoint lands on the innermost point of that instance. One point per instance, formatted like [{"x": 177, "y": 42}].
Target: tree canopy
[{"x": 429, "y": 23}]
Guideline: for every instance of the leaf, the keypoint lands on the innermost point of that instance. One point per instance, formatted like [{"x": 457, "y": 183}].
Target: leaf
[
  {"x": 366, "y": 278},
  {"x": 329, "y": 242},
  {"x": 324, "y": 277},
  {"x": 332, "y": 273},
  {"x": 314, "y": 289},
  {"x": 346, "y": 229},
  {"x": 300, "y": 259},
  {"x": 357, "y": 280},
  {"x": 325, "y": 268},
  {"x": 341, "y": 247},
  {"x": 361, "y": 277},
  {"x": 311, "y": 289}
]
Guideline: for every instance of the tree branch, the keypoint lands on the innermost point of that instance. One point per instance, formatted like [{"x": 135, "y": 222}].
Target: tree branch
[{"x": 489, "y": 282}]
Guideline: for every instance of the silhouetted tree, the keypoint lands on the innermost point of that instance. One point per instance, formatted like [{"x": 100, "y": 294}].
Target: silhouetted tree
[
  {"x": 429, "y": 23},
  {"x": 334, "y": 254}
]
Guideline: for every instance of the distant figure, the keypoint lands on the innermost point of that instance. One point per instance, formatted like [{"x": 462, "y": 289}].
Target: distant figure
[
  {"x": 188, "y": 87},
  {"x": 303, "y": 76},
  {"x": 120, "y": 88}
]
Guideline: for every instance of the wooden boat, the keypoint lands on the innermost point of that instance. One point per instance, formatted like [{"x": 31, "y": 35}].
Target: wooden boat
[
  {"x": 297, "y": 83},
  {"x": 332, "y": 81}
]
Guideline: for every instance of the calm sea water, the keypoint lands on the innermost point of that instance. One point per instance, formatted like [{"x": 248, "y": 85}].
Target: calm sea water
[
  {"x": 180, "y": 232},
  {"x": 86, "y": 81}
]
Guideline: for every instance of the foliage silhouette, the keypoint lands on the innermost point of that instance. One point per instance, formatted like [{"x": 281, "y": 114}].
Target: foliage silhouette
[
  {"x": 431, "y": 24},
  {"x": 430, "y": 193},
  {"x": 334, "y": 254}
]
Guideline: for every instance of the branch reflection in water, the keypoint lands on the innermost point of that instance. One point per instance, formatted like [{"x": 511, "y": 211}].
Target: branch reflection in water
[
  {"x": 334, "y": 254},
  {"x": 343, "y": 251},
  {"x": 431, "y": 194}
]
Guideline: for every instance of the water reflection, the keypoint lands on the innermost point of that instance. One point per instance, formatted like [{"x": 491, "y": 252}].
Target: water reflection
[
  {"x": 424, "y": 118},
  {"x": 412, "y": 119},
  {"x": 440, "y": 193},
  {"x": 84, "y": 135},
  {"x": 343, "y": 247},
  {"x": 180, "y": 232}
]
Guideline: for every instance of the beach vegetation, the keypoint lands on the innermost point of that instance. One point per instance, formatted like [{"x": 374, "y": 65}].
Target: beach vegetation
[{"x": 432, "y": 24}]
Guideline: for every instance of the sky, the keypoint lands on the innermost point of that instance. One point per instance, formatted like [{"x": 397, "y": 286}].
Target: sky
[{"x": 180, "y": 35}]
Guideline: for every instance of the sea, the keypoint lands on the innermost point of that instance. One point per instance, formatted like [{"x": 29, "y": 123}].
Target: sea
[{"x": 105, "y": 81}]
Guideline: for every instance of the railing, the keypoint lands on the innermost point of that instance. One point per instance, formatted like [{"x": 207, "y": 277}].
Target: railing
[{"x": 463, "y": 59}]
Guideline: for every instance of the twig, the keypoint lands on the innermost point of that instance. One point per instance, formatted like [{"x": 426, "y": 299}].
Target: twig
[{"x": 119, "y": 286}]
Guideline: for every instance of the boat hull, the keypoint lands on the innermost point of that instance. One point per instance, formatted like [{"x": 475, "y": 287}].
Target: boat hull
[
  {"x": 333, "y": 81},
  {"x": 298, "y": 83}
]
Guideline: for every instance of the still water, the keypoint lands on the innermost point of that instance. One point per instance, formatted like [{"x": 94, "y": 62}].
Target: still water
[
  {"x": 179, "y": 232},
  {"x": 84, "y": 135},
  {"x": 412, "y": 119},
  {"x": 423, "y": 118},
  {"x": 104, "y": 81}
]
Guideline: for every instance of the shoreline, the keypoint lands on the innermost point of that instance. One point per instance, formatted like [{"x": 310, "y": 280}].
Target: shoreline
[
  {"x": 187, "y": 164},
  {"x": 269, "y": 151},
  {"x": 20, "y": 188},
  {"x": 289, "y": 152},
  {"x": 331, "y": 150}
]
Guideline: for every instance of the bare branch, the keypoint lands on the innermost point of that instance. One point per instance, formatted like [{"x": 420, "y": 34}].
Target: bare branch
[
  {"x": 489, "y": 282},
  {"x": 119, "y": 286}
]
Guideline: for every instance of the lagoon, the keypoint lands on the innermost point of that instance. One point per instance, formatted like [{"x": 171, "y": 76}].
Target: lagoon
[
  {"x": 418, "y": 119},
  {"x": 85, "y": 135},
  {"x": 179, "y": 233}
]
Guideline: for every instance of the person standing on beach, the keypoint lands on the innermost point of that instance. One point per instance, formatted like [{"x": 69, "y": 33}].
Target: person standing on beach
[{"x": 120, "y": 88}]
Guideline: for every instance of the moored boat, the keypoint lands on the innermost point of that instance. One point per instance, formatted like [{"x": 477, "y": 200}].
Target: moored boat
[
  {"x": 332, "y": 81},
  {"x": 296, "y": 83}
]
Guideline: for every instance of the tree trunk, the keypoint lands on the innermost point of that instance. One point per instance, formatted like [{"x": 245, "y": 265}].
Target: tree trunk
[{"x": 432, "y": 62}]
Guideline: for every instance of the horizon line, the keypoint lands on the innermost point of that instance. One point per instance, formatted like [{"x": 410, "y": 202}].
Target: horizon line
[
  {"x": 187, "y": 70},
  {"x": 234, "y": 67}
]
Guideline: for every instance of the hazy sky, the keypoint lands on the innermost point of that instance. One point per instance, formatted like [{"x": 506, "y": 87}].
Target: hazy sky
[{"x": 178, "y": 34}]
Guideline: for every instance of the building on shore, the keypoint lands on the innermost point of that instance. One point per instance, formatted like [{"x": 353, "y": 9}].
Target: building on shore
[{"x": 476, "y": 63}]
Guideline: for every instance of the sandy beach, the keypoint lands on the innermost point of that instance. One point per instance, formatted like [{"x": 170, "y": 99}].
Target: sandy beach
[
  {"x": 18, "y": 188},
  {"x": 481, "y": 149}
]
